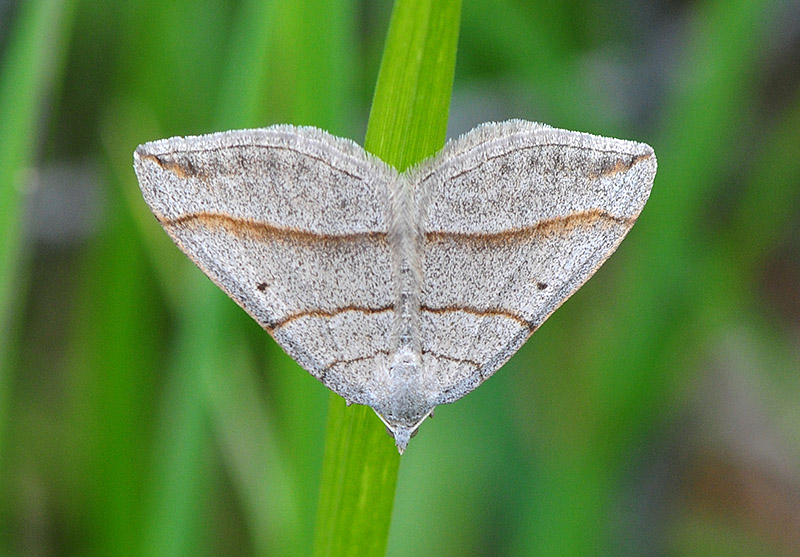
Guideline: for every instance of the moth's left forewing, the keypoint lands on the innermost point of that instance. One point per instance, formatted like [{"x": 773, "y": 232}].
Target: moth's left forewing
[
  {"x": 514, "y": 218},
  {"x": 290, "y": 222}
]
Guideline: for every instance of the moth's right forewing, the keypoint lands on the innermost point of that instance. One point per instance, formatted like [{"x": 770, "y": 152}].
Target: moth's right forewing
[{"x": 516, "y": 216}]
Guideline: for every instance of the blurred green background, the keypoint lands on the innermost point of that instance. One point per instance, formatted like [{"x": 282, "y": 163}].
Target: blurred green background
[{"x": 657, "y": 412}]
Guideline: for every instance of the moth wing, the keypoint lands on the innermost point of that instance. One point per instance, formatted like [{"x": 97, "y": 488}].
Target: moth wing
[
  {"x": 515, "y": 217},
  {"x": 291, "y": 223}
]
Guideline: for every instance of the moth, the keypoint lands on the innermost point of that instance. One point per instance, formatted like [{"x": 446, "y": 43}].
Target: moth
[{"x": 401, "y": 291}]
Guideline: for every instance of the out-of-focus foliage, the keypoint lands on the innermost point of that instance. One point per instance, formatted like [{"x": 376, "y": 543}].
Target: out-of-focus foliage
[{"x": 657, "y": 411}]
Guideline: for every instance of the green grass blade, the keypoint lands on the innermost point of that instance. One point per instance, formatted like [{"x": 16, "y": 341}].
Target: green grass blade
[
  {"x": 164, "y": 469},
  {"x": 634, "y": 373},
  {"x": 245, "y": 72},
  {"x": 28, "y": 69},
  {"x": 407, "y": 123},
  {"x": 359, "y": 475},
  {"x": 177, "y": 502},
  {"x": 771, "y": 196}
]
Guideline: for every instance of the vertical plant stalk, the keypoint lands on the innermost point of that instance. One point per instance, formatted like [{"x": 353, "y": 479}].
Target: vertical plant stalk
[
  {"x": 408, "y": 123},
  {"x": 27, "y": 71},
  {"x": 29, "y": 67}
]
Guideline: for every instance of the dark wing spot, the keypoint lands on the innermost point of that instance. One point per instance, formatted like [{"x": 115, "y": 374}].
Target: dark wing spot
[
  {"x": 541, "y": 285},
  {"x": 262, "y": 287},
  {"x": 557, "y": 162},
  {"x": 241, "y": 159}
]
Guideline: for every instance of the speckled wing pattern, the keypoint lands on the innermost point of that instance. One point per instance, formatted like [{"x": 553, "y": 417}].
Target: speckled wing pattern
[{"x": 399, "y": 291}]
